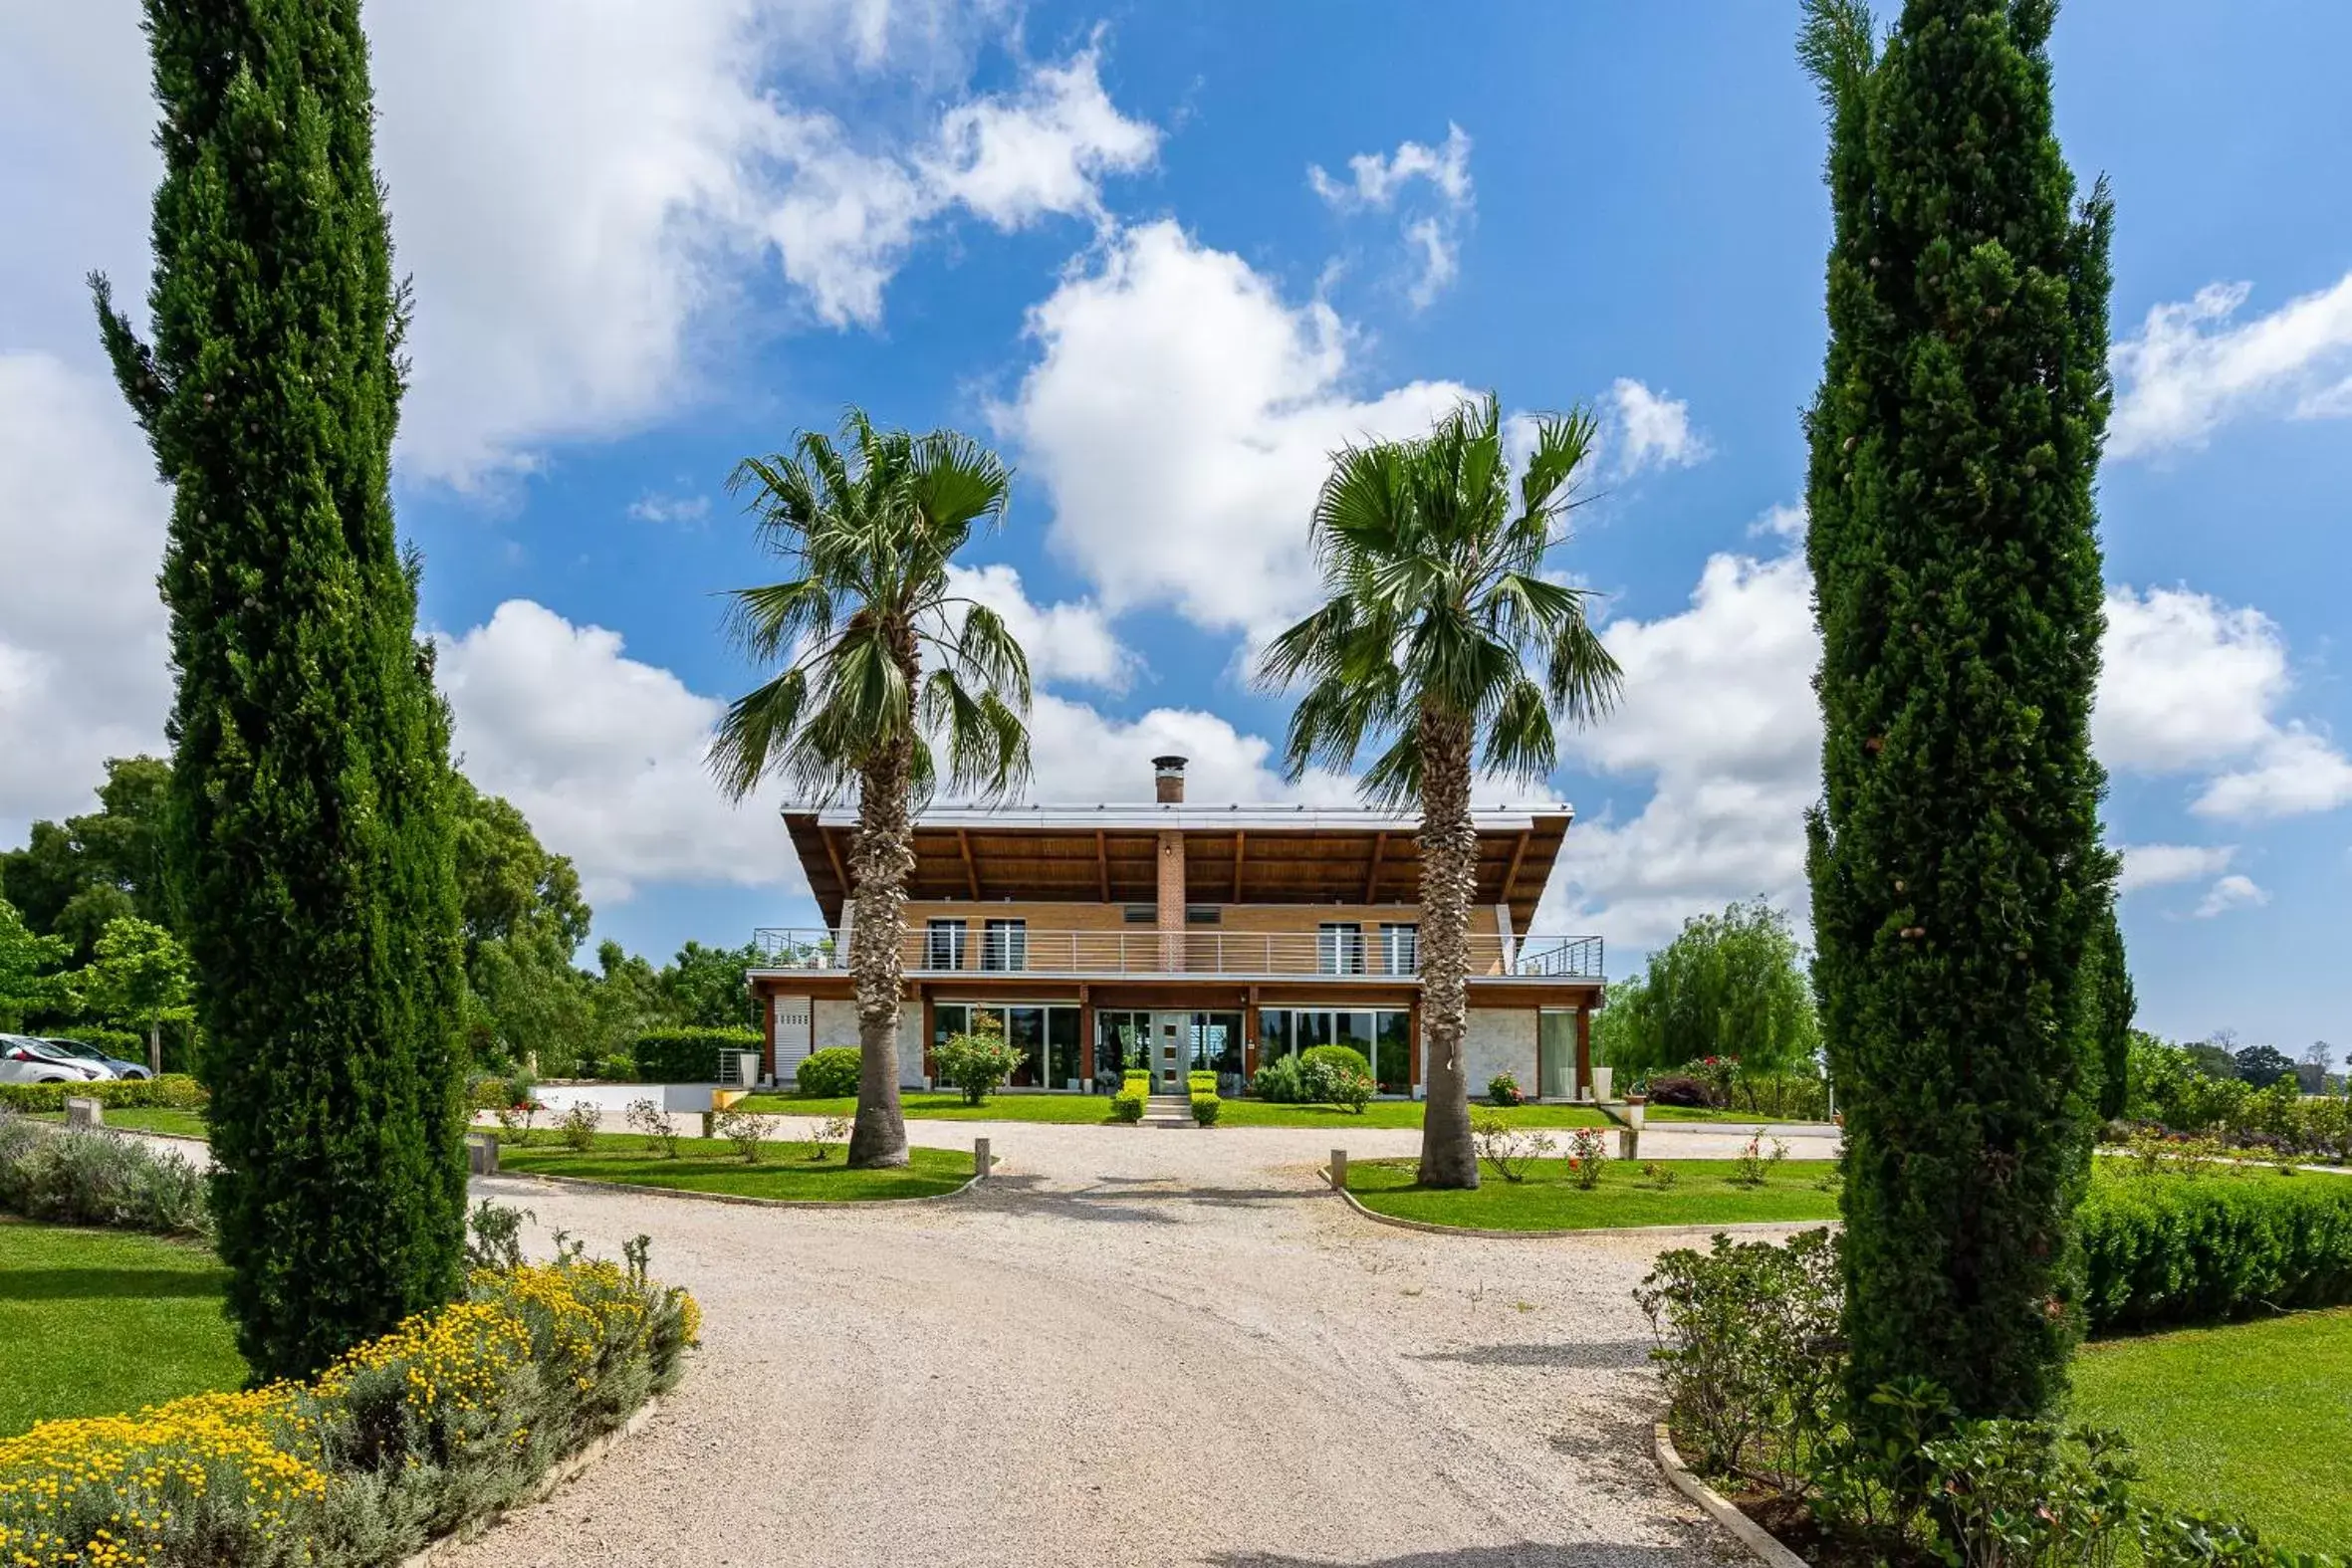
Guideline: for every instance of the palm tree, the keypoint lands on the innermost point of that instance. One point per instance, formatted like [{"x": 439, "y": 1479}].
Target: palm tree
[
  {"x": 1435, "y": 598},
  {"x": 869, "y": 527}
]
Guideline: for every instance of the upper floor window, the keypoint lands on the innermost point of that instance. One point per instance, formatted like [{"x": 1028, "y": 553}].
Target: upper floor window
[
  {"x": 943, "y": 943},
  {"x": 1400, "y": 948},
  {"x": 1339, "y": 948},
  {"x": 1003, "y": 945}
]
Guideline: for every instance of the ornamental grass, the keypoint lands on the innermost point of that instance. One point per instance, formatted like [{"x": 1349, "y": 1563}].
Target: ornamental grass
[{"x": 438, "y": 1425}]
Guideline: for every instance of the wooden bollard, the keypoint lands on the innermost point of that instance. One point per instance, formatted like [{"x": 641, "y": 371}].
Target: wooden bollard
[
  {"x": 1338, "y": 1170},
  {"x": 482, "y": 1156},
  {"x": 982, "y": 1160}
]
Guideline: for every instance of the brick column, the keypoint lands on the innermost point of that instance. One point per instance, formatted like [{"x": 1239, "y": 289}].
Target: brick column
[{"x": 1171, "y": 900}]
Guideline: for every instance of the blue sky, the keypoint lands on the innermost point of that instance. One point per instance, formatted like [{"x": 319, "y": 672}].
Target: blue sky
[{"x": 648, "y": 238}]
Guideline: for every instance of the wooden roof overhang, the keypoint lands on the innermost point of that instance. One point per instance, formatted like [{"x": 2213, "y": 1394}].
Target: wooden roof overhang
[{"x": 1233, "y": 855}]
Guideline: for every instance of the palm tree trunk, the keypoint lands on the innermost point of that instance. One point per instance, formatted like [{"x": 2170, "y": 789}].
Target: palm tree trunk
[
  {"x": 881, "y": 858},
  {"x": 1449, "y": 874}
]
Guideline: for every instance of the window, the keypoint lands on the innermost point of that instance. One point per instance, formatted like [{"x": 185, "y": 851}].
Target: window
[
  {"x": 1556, "y": 1054},
  {"x": 1383, "y": 1035},
  {"x": 1141, "y": 914},
  {"x": 943, "y": 943},
  {"x": 1003, "y": 945},
  {"x": 1203, "y": 915},
  {"x": 1339, "y": 948},
  {"x": 1400, "y": 948},
  {"x": 1062, "y": 1048},
  {"x": 1217, "y": 1044}
]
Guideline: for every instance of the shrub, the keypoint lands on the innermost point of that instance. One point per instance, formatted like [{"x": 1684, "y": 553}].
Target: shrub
[
  {"x": 1278, "y": 1081},
  {"x": 1588, "y": 1156},
  {"x": 1674, "y": 1088},
  {"x": 422, "y": 1431},
  {"x": 824, "y": 1133},
  {"x": 174, "y": 1091},
  {"x": 1335, "y": 1075},
  {"x": 1134, "y": 1091},
  {"x": 829, "y": 1075},
  {"x": 1508, "y": 1149},
  {"x": 1206, "y": 1108},
  {"x": 1200, "y": 1083},
  {"x": 1756, "y": 1162},
  {"x": 98, "y": 1178},
  {"x": 1502, "y": 1089},
  {"x": 578, "y": 1126},
  {"x": 747, "y": 1130},
  {"x": 978, "y": 1064},
  {"x": 686, "y": 1055},
  {"x": 2166, "y": 1248},
  {"x": 661, "y": 1132}
]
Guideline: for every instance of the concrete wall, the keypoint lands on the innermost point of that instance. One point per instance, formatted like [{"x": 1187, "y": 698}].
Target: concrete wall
[
  {"x": 1499, "y": 1039},
  {"x": 615, "y": 1099}
]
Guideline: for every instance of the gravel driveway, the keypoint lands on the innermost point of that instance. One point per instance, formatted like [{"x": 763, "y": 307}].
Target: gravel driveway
[{"x": 1131, "y": 1347}]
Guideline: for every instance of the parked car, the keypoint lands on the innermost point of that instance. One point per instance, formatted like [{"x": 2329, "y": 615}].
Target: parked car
[
  {"x": 24, "y": 1060},
  {"x": 82, "y": 1050}
]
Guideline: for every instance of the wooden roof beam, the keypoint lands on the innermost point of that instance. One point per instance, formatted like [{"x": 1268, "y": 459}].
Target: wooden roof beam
[
  {"x": 1103, "y": 863},
  {"x": 971, "y": 867},
  {"x": 832, "y": 852},
  {"x": 1373, "y": 877},
  {"x": 1511, "y": 877},
  {"x": 1240, "y": 842}
]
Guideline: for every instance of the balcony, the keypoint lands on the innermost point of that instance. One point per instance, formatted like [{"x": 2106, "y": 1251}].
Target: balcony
[{"x": 1324, "y": 954}]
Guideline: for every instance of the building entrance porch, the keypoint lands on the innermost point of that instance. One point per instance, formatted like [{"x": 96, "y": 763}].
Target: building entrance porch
[{"x": 1170, "y": 1045}]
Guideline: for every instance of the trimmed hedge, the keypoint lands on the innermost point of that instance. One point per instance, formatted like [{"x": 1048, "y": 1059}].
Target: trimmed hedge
[
  {"x": 686, "y": 1055},
  {"x": 2162, "y": 1250},
  {"x": 829, "y": 1073},
  {"x": 1134, "y": 1091},
  {"x": 174, "y": 1091}
]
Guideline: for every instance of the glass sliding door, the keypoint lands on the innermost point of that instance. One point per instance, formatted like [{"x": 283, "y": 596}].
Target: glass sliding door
[
  {"x": 1003, "y": 945},
  {"x": 1392, "y": 1054},
  {"x": 1556, "y": 1054},
  {"x": 1062, "y": 1048},
  {"x": 1217, "y": 1047}
]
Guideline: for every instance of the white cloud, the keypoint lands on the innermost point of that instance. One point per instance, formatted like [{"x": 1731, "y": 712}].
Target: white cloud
[
  {"x": 1719, "y": 711},
  {"x": 1377, "y": 181},
  {"x": 1069, "y": 641},
  {"x": 2233, "y": 891},
  {"x": 654, "y": 507},
  {"x": 2191, "y": 684},
  {"x": 1781, "y": 521},
  {"x": 2161, "y": 865},
  {"x": 582, "y": 193},
  {"x": 83, "y": 657},
  {"x": 1649, "y": 430},
  {"x": 2295, "y": 773},
  {"x": 1082, "y": 756},
  {"x": 2194, "y": 365},
  {"x": 604, "y": 755},
  {"x": 1181, "y": 416}
]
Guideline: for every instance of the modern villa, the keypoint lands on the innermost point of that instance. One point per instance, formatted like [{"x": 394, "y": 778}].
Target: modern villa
[{"x": 1186, "y": 937}]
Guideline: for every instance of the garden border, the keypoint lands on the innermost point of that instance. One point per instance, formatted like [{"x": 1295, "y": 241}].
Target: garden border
[
  {"x": 741, "y": 1199},
  {"x": 1729, "y": 1226},
  {"x": 1719, "y": 1508},
  {"x": 570, "y": 1470}
]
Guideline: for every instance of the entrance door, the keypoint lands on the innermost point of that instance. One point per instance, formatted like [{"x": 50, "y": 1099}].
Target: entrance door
[{"x": 1172, "y": 1051}]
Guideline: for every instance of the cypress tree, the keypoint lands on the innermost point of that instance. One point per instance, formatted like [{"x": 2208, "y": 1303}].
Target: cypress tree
[
  {"x": 1956, "y": 864},
  {"x": 306, "y": 836},
  {"x": 2113, "y": 1004}
]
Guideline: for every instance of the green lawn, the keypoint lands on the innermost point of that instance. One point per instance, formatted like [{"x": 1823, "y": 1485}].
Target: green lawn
[
  {"x": 100, "y": 1322},
  {"x": 1698, "y": 1113},
  {"x": 712, "y": 1166},
  {"x": 1091, "y": 1109},
  {"x": 184, "y": 1124},
  {"x": 1703, "y": 1193},
  {"x": 2251, "y": 1420}
]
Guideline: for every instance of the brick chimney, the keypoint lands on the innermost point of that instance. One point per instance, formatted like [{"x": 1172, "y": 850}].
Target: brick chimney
[{"x": 1168, "y": 783}]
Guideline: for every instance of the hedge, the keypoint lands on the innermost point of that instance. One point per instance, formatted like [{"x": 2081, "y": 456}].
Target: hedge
[
  {"x": 830, "y": 1073},
  {"x": 2163, "y": 1250},
  {"x": 121, "y": 1044},
  {"x": 174, "y": 1091},
  {"x": 686, "y": 1055}
]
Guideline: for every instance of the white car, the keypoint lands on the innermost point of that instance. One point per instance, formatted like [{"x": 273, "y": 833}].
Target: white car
[{"x": 24, "y": 1060}]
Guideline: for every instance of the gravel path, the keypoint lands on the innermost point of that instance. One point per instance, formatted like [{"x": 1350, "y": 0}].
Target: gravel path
[{"x": 1131, "y": 1347}]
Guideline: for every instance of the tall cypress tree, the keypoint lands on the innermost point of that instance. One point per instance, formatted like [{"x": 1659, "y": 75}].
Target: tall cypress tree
[
  {"x": 1956, "y": 864},
  {"x": 306, "y": 834}
]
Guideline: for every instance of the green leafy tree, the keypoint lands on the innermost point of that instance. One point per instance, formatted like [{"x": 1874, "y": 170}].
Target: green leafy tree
[
  {"x": 869, "y": 526},
  {"x": 139, "y": 979},
  {"x": 2113, "y": 1004},
  {"x": 74, "y": 878},
  {"x": 28, "y": 960},
  {"x": 1729, "y": 985},
  {"x": 704, "y": 986},
  {"x": 625, "y": 1001},
  {"x": 306, "y": 834},
  {"x": 1436, "y": 597},
  {"x": 1957, "y": 872},
  {"x": 524, "y": 919},
  {"x": 2264, "y": 1065}
]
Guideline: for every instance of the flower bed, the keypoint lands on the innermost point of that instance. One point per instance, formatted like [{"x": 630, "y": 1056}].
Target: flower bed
[
  {"x": 454, "y": 1414},
  {"x": 97, "y": 1178}
]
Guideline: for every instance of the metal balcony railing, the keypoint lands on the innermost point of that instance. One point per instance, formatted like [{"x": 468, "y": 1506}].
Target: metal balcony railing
[{"x": 975, "y": 949}]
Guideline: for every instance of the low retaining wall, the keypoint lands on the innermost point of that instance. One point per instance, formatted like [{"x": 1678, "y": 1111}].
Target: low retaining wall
[{"x": 615, "y": 1098}]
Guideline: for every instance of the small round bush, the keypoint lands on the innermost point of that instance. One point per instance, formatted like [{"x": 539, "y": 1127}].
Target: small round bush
[
  {"x": 1126, "y": 1106},
  {"x": 1206, "y": 1108},
  {"x": 1335, "y": 1075},
  {"x": 978, "y": 1064},
  {"x": 1502, "y": 1089},
  {"x": 830, "y": 1073}
]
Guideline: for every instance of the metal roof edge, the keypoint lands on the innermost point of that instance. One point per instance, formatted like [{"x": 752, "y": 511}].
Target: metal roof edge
[{"x": 1193, "y": 814}]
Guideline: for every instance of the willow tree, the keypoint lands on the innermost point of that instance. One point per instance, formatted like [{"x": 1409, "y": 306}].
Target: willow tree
[
  {"x": 1957, "y": 872},
  {"x": 869, "y": 527},
  {"x": 1436, "y": 594},
  {"x": 306, "y": 834}
]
